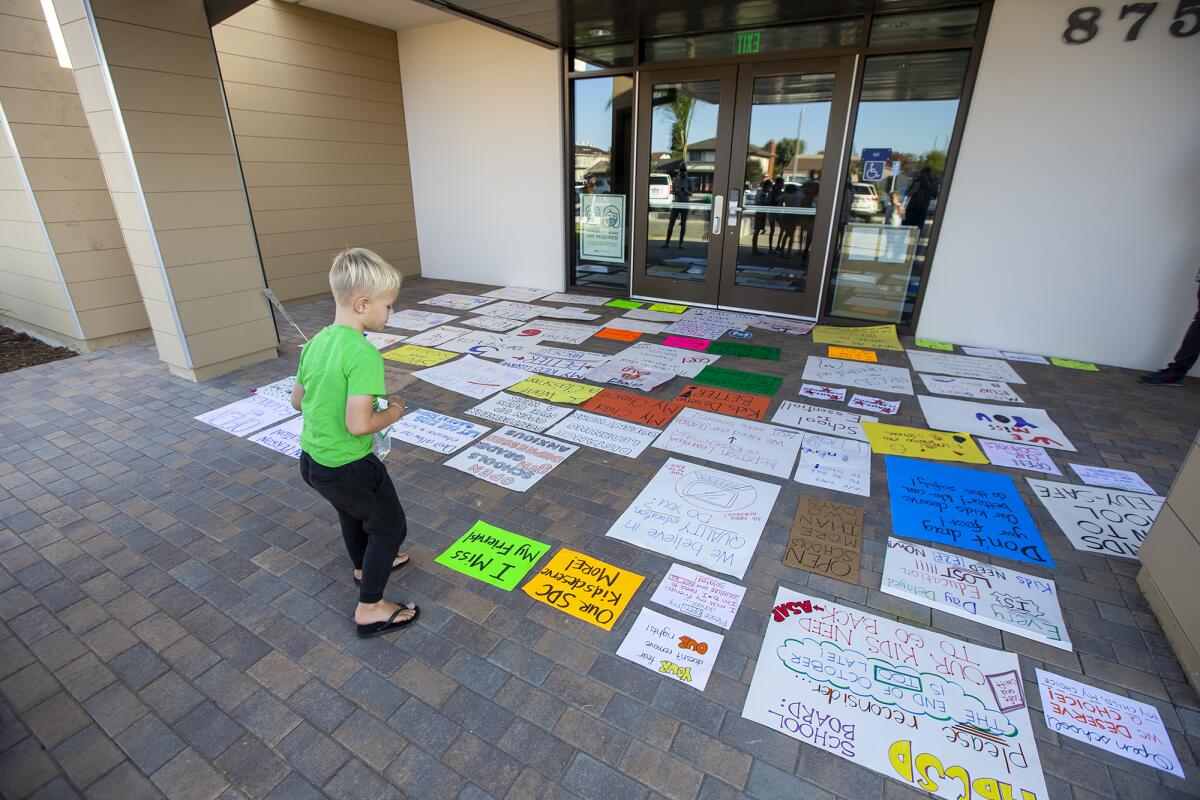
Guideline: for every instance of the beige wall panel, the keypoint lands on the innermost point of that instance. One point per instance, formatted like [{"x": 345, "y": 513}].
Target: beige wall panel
[
  {"x": 140, "y": 246},
  {"x": 202, "y": 245},
  {"x": 278, "y": 198},
  {"x": 293, "y": 126},
  {"x": 297, "y": 264},
  {"x": 175, "y": 210},
  {"x": 170, "y": 348},
  {"x": 15, "y": 206},
  {"x": 43, "y": 108},
  {"x": 314, "y": 219},
  {"x": 224, "y": 343},
  {"x": 94, "y": 265},
  {"x": 90, "y": 295},
  {"x": 69, "y": 10},
  {"x": 246, "y": 69},
  {"x": 1184, "y": 498},
  {"x": 193, "y": 281},
  {"x": 209, "y": 313},
  {"x": 30, "y": 263},
  {"x": 172, "y": 172},
  {"x": 43, "y": 316},
  {"x": 74, "y": 237},
  {"x": 53, "y": 174},
  {"x": 105, "y": 131},
  {"x": 333, "y": 239},
  {"x": 408, "y": 267},
  {"x": 150, "y": 284},
  {"x": 168, "y": 16},
  {"x": 34, "y": 72},
  {"x": 10, "y": 173},
  {"x": 93, "y": 91},
  {"x": 53, "y": 141},
  {"x": 118, "y": 172},
  {"x": 35, "y": 290},
  {"x": 395, "y": 251},
  {"x": 170, "y": 133},
  {"x": 262, "y": 173},
  {"x": 274, "y": 20},
  {"x": 22, "y": 235},
  {"x": 159, "y": 314},
  {"x": 114, "y": 319},
  {"x": 23, "y": 35},
  {"x": 167, "y": 93},
  {"x": 131, "y": 214},
  {"x": 136, "y": 47},
  {"x": 250, "y": 97},
  {"x": 80, "y": 44},
  {"x": 305, "y": 285},
  {"x": 59, "y": 206},
  {"x": 312, "y": 13},
  {"x": 1172, "y": 555},
  {"x": 255, "y": 148},
  {"x": 237, "y": 41},
  {"x": 30, "y": 9}
]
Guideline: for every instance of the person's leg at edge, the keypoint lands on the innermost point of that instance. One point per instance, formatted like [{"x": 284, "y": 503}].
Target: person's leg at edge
[{"x": 1185, "y": 357}]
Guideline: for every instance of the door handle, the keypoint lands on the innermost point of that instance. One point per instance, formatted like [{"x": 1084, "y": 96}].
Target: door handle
[
  {"x": 718, "y": 208},
  {"x": 732, "y": 221}
]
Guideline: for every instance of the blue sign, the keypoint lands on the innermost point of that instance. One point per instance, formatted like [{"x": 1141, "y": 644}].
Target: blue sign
[
  {"x": 874, "y": 162},
  {"x": 741, "y": 335},
  {"x": 877, "y": 154},
  {"x": 964, "y": 508},
  {"x": 873, "y": 170}
]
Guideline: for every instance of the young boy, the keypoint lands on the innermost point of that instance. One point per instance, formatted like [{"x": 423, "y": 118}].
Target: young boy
[{"x": 340, "y": 375}]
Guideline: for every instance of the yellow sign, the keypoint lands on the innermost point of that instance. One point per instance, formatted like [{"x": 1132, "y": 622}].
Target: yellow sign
[
  {"x": 420, "y": 356},
  {"x": 670, "y": 309},
  {"x": 853, "y": 354},
  {"x": 555, "y": 390},
  {"x": 897, "y": 440},
  {"x": 584, "y": 587},
  {"x": 877, "y": 337}
]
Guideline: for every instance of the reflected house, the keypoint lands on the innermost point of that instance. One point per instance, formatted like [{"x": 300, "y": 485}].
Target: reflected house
[{"x": 590, "y": 160}]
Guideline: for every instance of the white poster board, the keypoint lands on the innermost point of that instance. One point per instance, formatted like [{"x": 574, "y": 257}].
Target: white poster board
[
  {"x": 510, "y": 309},
  {"x": 985, "y": 352},
  {"x": 486, "y": 344},
  {"x": 700, "y": 515},
  {"x": 995, "y": 596},
  {"x": 556, "y": 331},
  {"x": 778, "y": 325},
  {"x": 700, "y": 595},
  {"x": 822, "y": 392},
  {"x": 1020, "y": 456},
  {"x": 605, "y": 433},
  {"x": 280, "y": 390},
  {"x": 471, "y": 376},
  {"x": 521, "y": 412},
  {"x": 616, "y": 372},
  {"x": 579, "y": 299},
  {"x": 283, "y": 438},
  {"x": 822, "y": 420},
  {"x": 492, "y": 323},
  {"x": 639, "y": 325},
  {"x": 830, "y": 462},
  {"x": 862, "y": 402},
  {"x": 1006, "y": 423},
  {"x": 516, "y": 293},
  {"x": 860, "y": 374},
  {"x": 436, "y": 432},
  {"x": 412, "y": 319},
  {"x": 651, "y": 316},
  {"x": 1104, "y": 521},
  {"x": 699, "y": 328},
  {"x": 673, "y": 648},
  {"x": 556, "y": 362},
  {"x": 1109, "y": 721},
  {"x": 1026, "y": 357},
  {"x": 512, "y": 458},
  {"x": 996, "y": 391},
  {"x": 435, "y": 337},
  {"x": 569, "y": 312},
  {"x": 381, "y": 340},
  {"x": 733, "y": 442},
  {"x": 984, "y": 369},
  {"x": 660, "y": 358},
  {"x": 1122, "y": 479},
  {"x": 889, "y": 697},
  {"x": 249, "y": 414},
  {"x": 458, "y": 302}
]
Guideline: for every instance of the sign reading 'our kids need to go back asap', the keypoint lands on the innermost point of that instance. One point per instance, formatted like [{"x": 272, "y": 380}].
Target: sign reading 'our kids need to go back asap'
[{"x": 932, "y": 712}]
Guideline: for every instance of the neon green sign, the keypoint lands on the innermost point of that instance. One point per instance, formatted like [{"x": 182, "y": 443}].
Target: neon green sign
[{"x": 748, "y": 42}]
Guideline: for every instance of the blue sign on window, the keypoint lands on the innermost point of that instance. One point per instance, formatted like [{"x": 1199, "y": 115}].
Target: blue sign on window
[{"x": 877, "y": 154}]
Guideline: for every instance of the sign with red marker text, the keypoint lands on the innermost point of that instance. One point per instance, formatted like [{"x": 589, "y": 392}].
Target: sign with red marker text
[
  {"x": 1107, "y": 522},
  {"x": 876, "y": 404},
  {"x": 1006, "y": 423},
  {"x": 679, "y": 651},
  {"x": 1021, "y": 456},
  {"x": 512, "y": 458},
  {"x": 471, "y": 376},
  {"x": 822, "y": 392},
  {"x": 584, "y": 587},
  {"x": 935, "y": 713}
]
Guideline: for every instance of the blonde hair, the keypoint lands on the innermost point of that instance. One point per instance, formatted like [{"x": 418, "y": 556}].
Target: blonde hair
[{"x": 357, "y": 271}]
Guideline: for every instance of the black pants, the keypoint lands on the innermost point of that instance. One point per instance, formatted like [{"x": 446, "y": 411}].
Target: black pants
[
  {"x": 373, "y": 523},
  {"x": 681, "y": 214},
  {"x": 1189, "y": 351}
]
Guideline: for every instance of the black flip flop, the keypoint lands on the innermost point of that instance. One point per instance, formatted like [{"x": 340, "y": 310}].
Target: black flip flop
[
  {"x": 380, "y": 628},
  {"x": 395, "y": 568}
]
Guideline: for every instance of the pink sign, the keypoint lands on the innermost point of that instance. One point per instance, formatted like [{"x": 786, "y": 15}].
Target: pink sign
[{"x": 686, "y": 342}]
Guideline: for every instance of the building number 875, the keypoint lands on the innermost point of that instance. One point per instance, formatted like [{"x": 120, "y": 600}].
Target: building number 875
[{"x": 1083, "y": 23}]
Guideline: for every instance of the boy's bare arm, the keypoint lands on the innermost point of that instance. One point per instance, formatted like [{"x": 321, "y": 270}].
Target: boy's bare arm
[
  {"x": 297, "y": 396},
  {"x": 362, "y": 418}
]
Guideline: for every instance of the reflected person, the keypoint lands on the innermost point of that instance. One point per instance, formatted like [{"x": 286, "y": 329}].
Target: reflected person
[
  {"x": 921, "y": 192},
  {"x": 773, "y": 218},
  {"x": 761, "y": 198},
  {"x": 680, "y": 194}
]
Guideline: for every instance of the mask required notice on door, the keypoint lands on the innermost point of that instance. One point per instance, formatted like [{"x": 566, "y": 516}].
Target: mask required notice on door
[{"x": 602, "y": 227}]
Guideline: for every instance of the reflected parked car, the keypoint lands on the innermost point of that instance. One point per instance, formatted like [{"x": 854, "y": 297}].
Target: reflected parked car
[
  {"x": 865, "y": 201},
  {"x": 660, "y": 189}
]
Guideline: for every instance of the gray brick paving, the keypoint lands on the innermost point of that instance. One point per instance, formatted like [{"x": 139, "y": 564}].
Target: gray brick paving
[{"x": 174, "y": 612}]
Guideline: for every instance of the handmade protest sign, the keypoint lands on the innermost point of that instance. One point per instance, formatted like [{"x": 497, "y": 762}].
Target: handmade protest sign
[
  {"x": 686, "y": 343},
  {"x": 520, "y": 412},
  {"x": 569, "y": 312},
  {"x": 822, "y": 392},
  {"x": 700, "y": 515},
  {"x": 510, "y": 309},
  {"x": 605, "y": 433},
  {"x": 878, "y": 377},
  {"x": 584, "y": 587},
  {"x": 933, "y": 344},
  {"x": 249, "y": 414},
  {"x": 459, "y": 302},
  {"x": 492, "y": 323},
  {"x": 755, "y": 446},
  {"x": 964, "y": 508},
  {"x": 1027, "y": 357},
  {"x": 642, "y": 410},
  {"x": 667, "y": 308},
  {"x": 624, "y": 304},
  {"x": 786, "y": 326},
  {"x": 616, "y": 372},
  {"x": 493, "y": 555},
  {"x": 581, "y": 299},
  {"x": 471, "y": 376},
  {"x": 874, "y": 337},
  {"x": 1069, "y": 363},
  {"x": 826, "y": 538},
  {"x": 418, "y": 356},
  {"x": 853, "y": 354},
  {"x": 999, "y": 597},
  {"x": 898, "y": 440},
  {"x": 723, "y": 401},
  {"x": 680, "y": 651},
  {"x": 436, "y": 432},
  {"x": 700, "y": 595},
  {"x": 933, "y": 712},
  {"x": 821, "y": 420},
  {"x": 650, "y": 316},
  {"x": 382, "y": 340},
  {"x": 556, "y": 362},
  {"x": 280, "y": 390},
  {"x": 1121, "y": 479},
  {"x": 738, "y": 380},
  {"x": 283, "y": 438},
  {"x": 555, "y": 331},
  {"x": 556, "y": 390},
  {"x": 984, "y": 369},
  {"x": 660, "y": 358},
  {"x": 619, "y": 335},
  {"x": 969, "y": 387},
  {"x": 518, "y": 294},
  {"x": 842, "y": 465},
  {"x": 1007, "y": 423},
  {"x": 697, "y": 328},
  {"x": 413, "y": 319},
  {"x": 1109, "y": 721},
  {"x": 986, "y": 352},
  {"x": 628, "y": 324},
  {"x": 876, "y": 404},
  {"x": 1107, "y": 522},
  {"x": 1021, "y": 456},
  {"x": 512, "y": 458},
  {"x": 739, "y": 350},
  {"x": 486, "y": 344}
]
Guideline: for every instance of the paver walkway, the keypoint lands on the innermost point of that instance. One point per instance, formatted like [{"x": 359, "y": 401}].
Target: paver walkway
[{"x": 174, "y": 611}]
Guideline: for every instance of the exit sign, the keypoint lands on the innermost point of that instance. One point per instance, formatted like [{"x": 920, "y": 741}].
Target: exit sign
[{"x": 748, "y": 42}]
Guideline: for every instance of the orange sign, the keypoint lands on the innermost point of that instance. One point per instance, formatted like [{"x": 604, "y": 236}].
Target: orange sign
[
  {"x": 619, "y": 335},
  {"x": 724, "y": 401},
  {"x": 852, "y": 354},
  {"x": 632, "y": 407}
]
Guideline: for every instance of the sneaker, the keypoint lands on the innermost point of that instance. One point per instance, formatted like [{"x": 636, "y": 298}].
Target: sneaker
[{"x": 1161, "y": 378}]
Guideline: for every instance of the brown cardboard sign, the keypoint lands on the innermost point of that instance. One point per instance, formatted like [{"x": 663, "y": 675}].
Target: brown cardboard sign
[{"x": 826, "y": 538}]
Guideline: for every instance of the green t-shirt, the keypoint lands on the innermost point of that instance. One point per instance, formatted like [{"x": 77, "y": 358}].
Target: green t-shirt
[{"x": 337, "y": 363}]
